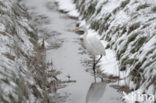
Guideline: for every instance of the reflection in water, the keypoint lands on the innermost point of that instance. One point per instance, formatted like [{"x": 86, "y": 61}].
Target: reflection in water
[{"x": 95, "y": 92}]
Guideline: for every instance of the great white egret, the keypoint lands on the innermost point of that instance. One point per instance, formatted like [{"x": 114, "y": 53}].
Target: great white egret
[{"x": 92, "y": 44}]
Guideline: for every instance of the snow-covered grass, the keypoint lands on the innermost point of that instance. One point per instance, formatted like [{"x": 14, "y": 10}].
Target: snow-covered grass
[
  {"x": 15, "y": 48},
  {"x": 24, "y": 74}
]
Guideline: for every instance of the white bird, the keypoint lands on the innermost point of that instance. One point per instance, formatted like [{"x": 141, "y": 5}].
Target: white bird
[{"x": 92, "y": 44}]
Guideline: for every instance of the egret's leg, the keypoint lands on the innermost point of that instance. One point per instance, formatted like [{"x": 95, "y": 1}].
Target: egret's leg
[
  {"x": 94, "y": 66},
  {"x": 98, "y": 59}
]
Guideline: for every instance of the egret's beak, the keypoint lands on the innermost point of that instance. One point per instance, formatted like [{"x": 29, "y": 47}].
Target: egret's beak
[{"x": 76, "y": 29}]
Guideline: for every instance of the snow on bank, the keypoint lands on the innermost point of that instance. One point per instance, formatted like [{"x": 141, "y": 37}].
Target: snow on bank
[
  {"x": 68, "y": 6},
  {"x": 21, "y": 58},
  {"x": 17, "y": 43}
]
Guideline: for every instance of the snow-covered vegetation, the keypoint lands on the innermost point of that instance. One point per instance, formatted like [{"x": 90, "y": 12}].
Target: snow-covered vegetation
[
  {"x": 129, "y": 27},
  {"x": 25, "y": 77}
]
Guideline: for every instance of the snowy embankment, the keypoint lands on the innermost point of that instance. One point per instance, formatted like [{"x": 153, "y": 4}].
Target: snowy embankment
[
  {"x": 24, "y": 74},
  {"x": 129, "y": 28}
]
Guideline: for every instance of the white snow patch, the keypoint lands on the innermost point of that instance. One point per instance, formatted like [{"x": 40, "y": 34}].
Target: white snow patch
[
  {"x": 2, "y": 27},
  {"x": 121, "y": 18},
  {"x": 68, "y": 6},
  {"x": 110, "y": 6},
  {"x": 65, "y": 5},
  {"x": 109, "y": 64},
  {"x": 74, "y": 13}
]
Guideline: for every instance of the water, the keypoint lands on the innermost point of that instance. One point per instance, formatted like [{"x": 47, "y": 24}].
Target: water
[{"x": 67, "y": 57}]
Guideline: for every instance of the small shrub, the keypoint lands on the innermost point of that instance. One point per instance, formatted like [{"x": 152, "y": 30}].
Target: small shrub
[
  {"x": 132, "y": 37},
  {"x": 116, "y": 10},
  {"x": 6, "y": 81},
  {"x": 134, "y": 27},
  {"x": 154, "y": 9},
  {"x": 126, "y": 61},
  {"x": 148, "y": 64},
  {"x": 108, "y": 46},
  {"x": 124, "y": 3},
  {"x": 124, "y": 30},
  {"x": 95, "y": 25},
  {"x": 123, "y": 68},
  {"x": 91, "y": 9},
  {"x": 142, "y": 6},
  {"x": 121, "y": 41},
  {"x": 99, "y": 9},
  {"x": 120, "y": 53},
  {"x": 151, "y": 19},
  {"x": 31, "y": 34},
  {"x": 138, "y": 44},
  {"x": 145, "y": 25},
  {"x": 9, "y": 56},
  {"x": 107, "y": 18},
  {"x": 101, "y": 28},
  {"x": 33, "y": 41}
]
